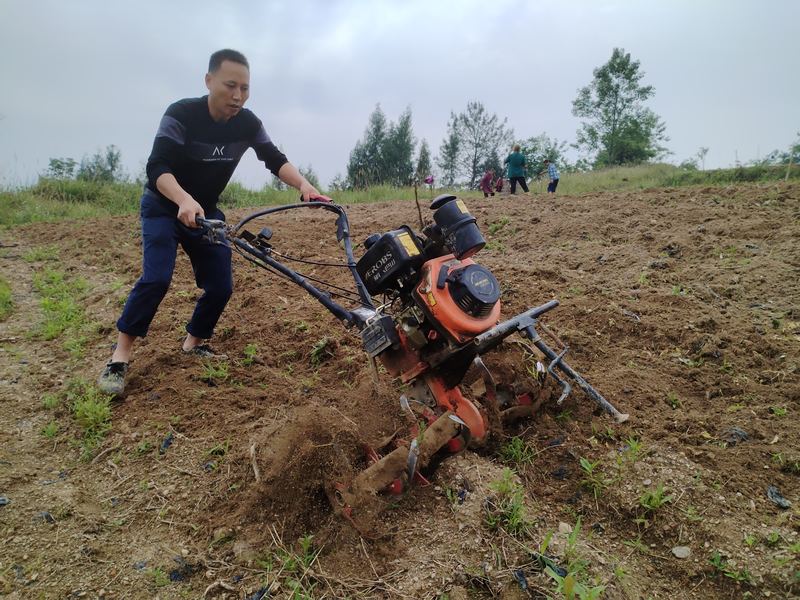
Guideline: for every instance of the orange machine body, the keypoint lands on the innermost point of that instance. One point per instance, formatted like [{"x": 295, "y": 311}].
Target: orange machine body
[{"x": 460, "y": 326}]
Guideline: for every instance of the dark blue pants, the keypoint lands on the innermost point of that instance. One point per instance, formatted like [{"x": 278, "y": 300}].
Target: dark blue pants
[
  {"x": 212, "y": 273},
  {"x": 551, "y": 187}
]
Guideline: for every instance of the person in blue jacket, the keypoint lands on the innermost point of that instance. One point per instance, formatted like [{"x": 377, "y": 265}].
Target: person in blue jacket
[{"x": 552, "y": 174}]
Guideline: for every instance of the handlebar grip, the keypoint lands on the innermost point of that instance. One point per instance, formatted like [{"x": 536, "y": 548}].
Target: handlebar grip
[{"x": 318, "y": 198}]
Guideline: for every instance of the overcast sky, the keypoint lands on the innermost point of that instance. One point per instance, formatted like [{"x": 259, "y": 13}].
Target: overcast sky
[{"x": 77, "y": 76}]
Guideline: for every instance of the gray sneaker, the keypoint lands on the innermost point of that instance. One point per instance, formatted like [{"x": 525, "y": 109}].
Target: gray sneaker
[
  {"x": 205, "y": 351},
  {"x": 112, "y": 379}
]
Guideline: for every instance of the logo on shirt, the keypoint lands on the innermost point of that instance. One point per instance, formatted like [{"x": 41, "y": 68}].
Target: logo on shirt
[{"x": 218, "y": 151}]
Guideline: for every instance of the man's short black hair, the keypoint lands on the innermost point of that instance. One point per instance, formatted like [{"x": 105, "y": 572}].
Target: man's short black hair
[{"x": 215, "y": 62}]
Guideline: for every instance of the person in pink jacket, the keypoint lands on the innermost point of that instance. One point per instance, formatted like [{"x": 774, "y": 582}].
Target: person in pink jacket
[{"x": 486, "y": 183}]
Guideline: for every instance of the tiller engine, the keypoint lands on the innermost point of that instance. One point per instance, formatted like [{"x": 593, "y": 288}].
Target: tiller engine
[{"x": 439, "y": 315}]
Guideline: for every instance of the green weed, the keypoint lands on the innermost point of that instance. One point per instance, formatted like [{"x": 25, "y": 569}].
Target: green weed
[
  {"x": 778, "y": 411},
  {"x": 159, "y": 577},
  {"x": 575, "y": 583},
  {"x": 594, "y": 479},
  {"x": 292, "y": 568},
  {"x": 219, "y": 449},
  {"x": 6, "y": 300},
  {"x": 634, "y": 449},
  {"x": 638, "y": 545},
  {"x": 498, "y": 225},
  {"x": 652, "y": 500},
  {"x": 517, "y": 452},
  {"x": 144, "y": 447},
  {"x": 564, "y": 416},
  {"x": 495, "y": 246},
  {"x": 673, "y": 400},
  {"x": 92, "y": 412},
  {"x": 721, "y": 565},
  {"x": 693, "y": 363},
  {"x": 250, "y": 354},
  {"x": 506, "y": 509},
  {"x": 41, "y": 253},
  {"x": 787, "y": 465},
  {"x": 50, "y": 430},
  {"x": 61, "y": 303},
  {"x": 321, "y": 351},
  {"x": 569, "y": 587},
  {"x": 691, "y": 514},
  {"x": 678, "y": 290},
  {"x": 215, "y": 373},
  {"x": 50, "y": 401}
]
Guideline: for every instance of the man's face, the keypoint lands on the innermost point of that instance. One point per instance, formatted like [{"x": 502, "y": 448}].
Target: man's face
[{"x": 228, "y": 89}]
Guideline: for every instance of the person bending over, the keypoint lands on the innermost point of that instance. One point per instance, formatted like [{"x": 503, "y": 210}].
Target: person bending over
[{"x": 197, "y": 146}]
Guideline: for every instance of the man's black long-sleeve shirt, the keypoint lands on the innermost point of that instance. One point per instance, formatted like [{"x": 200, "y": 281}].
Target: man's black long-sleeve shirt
[{"x": 202, "y": 153}]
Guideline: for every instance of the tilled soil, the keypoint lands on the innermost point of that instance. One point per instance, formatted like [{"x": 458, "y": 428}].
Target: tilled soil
[{"x": 682, "y": 306}]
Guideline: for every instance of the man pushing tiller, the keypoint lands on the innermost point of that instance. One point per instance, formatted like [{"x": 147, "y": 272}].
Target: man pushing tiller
[{"x": 198, "y": 144}]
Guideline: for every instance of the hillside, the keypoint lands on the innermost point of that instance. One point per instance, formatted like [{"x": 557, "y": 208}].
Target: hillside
[{"x": 679, "y": 304}]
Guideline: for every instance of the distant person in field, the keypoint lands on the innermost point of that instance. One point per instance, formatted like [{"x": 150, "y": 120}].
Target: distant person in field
[
  {"x": 486, "y": 183},
  {"x": 197, "y": 146},
  {"x": 552, "y": 174},
  {"x": 498, "y": 184},
  {"x": 516, "y": 169}
]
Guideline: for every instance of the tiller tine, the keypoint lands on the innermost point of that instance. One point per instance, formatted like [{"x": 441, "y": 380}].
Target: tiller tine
[{"x": 401, "y": 465}]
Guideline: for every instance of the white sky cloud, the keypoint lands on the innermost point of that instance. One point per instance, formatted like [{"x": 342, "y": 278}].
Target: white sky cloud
[{"x": 77, "y": 76}]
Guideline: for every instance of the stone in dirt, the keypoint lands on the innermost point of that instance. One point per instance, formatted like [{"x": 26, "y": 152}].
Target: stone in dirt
[
  {"x": 734, "y": 435},
  {"x": 681, "y": 551}
]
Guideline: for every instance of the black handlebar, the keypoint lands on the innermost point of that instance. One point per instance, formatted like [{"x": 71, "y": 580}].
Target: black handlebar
[{"x": 209, "y": 223}]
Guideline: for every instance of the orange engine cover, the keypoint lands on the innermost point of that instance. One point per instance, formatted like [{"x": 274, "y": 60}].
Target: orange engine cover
[{"x": 461, "y": 326}]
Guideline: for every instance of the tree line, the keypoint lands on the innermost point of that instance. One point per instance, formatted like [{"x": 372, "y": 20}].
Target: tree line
[{"x": 616, "y": 128}]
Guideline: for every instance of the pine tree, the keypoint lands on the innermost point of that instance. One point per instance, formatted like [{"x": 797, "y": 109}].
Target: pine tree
[
  {"x": 423, "y": 168},
  {"x": 448, "y": 153}
]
